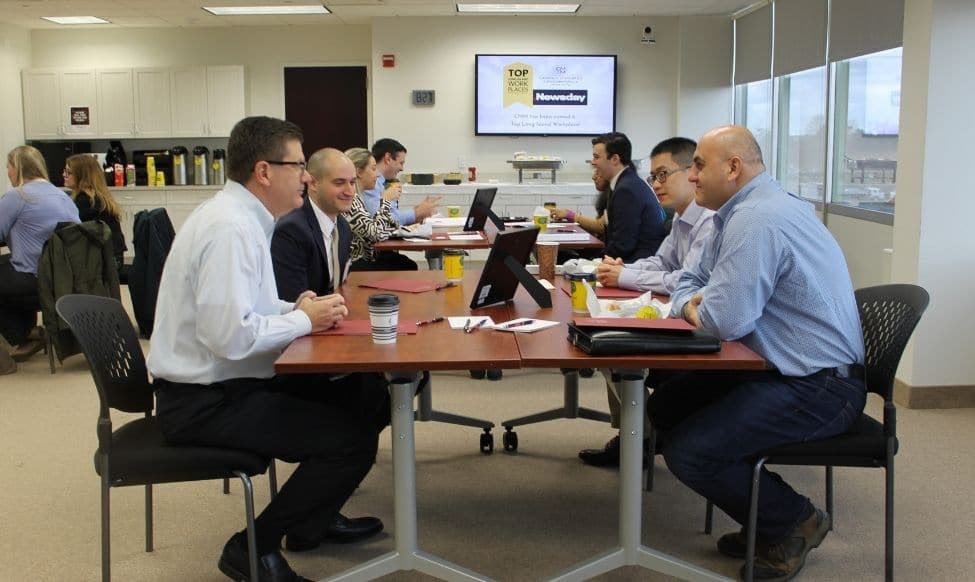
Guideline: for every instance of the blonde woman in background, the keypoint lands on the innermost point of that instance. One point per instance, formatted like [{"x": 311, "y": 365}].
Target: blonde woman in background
[
  {"x": 368, "y": 230},
  {"x": 29, "y": 213},
  {"x": 84, "y": 177}
]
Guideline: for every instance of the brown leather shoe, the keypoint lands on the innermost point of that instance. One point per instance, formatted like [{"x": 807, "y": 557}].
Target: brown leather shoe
[
  {"x": 735, "y": 544},
  {"x": 782, "y": 561},
  {"x": 24, "y": 351},
  {"x": 7, "y": 364}
]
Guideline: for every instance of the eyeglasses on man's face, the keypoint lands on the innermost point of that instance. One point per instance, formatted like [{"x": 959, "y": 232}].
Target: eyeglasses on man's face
[
  {"x": 660, "y": 176},
  {"x": 300, "y": 165}
]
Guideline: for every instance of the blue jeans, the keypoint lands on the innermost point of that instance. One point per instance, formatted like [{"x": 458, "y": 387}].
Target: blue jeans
[{"x": 713, "y": 423}]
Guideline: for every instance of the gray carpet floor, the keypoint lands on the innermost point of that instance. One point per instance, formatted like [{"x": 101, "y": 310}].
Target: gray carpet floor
[{"x": 513, "y": 517}]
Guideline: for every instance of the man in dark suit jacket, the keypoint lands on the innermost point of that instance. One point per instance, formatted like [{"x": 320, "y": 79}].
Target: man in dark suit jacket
[
  {"x": 301, "y": 249},
  {"x": 302, "y": 252},
  {"x": 635, "y": 228}
]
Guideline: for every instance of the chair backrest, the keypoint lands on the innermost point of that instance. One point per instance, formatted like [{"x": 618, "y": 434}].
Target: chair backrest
[
  {"x": 888, "y": 316},
  {"x": 109, "y": 341}
]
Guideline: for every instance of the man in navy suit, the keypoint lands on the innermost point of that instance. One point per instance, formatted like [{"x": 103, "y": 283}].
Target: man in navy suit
[
  {"x": 310, "y": 252},
  {"x": 635, "y": 219},
  {"x": 303, "y": 242}
]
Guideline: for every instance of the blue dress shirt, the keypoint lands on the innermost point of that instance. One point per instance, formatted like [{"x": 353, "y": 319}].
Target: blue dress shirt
[
  {"x": 775, "y": 278},
  {"x": 681, "y": 250},
  {"x": 372, "y": 198}
]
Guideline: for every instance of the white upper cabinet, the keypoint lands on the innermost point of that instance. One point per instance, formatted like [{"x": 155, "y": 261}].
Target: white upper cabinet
[
  {"x": 142, "y": 102},
  {"x": 115, "y": 103},
  {"x": 59, "y": 104},
  {"x": 153, "y": 103},
  {"x": 225, "y": 98}
]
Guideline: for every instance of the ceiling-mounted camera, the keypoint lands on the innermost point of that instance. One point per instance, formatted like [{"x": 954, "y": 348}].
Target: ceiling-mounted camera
[{"x": 648, "y": 37}]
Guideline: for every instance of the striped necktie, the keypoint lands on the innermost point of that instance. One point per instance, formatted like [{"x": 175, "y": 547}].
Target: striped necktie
[{"x": 334, "y": 266}]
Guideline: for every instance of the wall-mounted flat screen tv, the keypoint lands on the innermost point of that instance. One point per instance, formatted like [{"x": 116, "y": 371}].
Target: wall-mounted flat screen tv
[{"x": 544, "y": 94}]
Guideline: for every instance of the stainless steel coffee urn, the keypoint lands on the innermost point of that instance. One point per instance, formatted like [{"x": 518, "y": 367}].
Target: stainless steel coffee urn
[
  {"x": 218, "y": 174},
  {"x": 201, "y": 165},
  {"x": 179, "y": 154}
]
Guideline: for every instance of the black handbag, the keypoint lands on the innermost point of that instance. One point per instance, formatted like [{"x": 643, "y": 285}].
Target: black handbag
[{"x": 608, "y": 341}]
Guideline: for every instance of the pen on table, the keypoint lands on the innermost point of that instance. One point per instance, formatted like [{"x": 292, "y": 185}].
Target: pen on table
[
  {"x": 481, "y": 323},
  {"x": 434, "y": 320},
  {"x": 445, "y": 285},
  {"x": 467, "y": 326},
  {"x": 518, "y": 323}
]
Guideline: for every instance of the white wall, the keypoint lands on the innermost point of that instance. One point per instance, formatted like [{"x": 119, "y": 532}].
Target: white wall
[
  {"x": 863, "y": 245},
  {"x": 438, "y": 53},
  {"x": 704, "y": 98},
  {"x": 264, "y": 51},
  {"x": 14, "y": 55},
  {"x": 933, "y": 245}
]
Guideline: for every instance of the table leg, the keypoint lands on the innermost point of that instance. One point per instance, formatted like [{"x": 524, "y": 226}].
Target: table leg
[
  {"x": 630, "y": 552},
  {"x": 407, "y": 555}
]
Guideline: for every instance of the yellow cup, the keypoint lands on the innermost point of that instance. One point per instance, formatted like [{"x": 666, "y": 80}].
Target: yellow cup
[
  {"x": 453, "y": 265},
  {"x": 453, "y": 211},
  {"x": 541, "y": 221},
  {"x": 578, "y": 287}
]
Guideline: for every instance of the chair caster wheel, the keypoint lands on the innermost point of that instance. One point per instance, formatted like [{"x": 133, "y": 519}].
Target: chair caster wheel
[
  {"x": 477, "y": 374},
  {"x": 487, "y": 443},
  {"x": 586, "y": 372},
  {"x": 494, "y": 375},
  {"x": 510, "y": 441}
]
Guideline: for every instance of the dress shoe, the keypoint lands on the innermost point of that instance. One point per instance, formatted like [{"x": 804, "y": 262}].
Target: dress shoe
[
  {"x": 273, "y": 567},
  {"x": 735, "y": 545},
  {"x": 609, "y": 455},
  {"x": 343, "y": 530},
  {"x": 7, "y": 364},
  {"x": 782, "y": 561},
  {"x": 24, "y": 351}
]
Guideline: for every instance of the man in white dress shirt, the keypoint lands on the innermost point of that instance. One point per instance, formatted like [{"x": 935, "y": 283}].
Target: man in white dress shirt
[
  {"x": 692, "y": 228},
  {"x": 219, "y": 328}
]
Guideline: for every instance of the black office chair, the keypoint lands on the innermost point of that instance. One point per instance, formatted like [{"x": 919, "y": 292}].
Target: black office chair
[
  {"x": 136, "y": 453},
  {"x": 888, "y": 316}
]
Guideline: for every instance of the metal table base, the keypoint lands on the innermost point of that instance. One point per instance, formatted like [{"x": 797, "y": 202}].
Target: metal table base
[
  {"x": 630, "y": 552},
  {"x": 407, "y": 555}
]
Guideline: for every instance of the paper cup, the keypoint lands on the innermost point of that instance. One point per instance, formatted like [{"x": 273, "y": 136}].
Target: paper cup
[
  {"x": 546, "y": 253},
  {"x": 384, "y": 317},
  {"x": 453, "y": 211},
  {"x": 541, "y": 221}
]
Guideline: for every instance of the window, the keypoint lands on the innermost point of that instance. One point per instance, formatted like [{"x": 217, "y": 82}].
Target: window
[
  {"x": 800, "y": 163},
  {"x": 753, "y": 109},
  {"x": 868, "y": 93}
]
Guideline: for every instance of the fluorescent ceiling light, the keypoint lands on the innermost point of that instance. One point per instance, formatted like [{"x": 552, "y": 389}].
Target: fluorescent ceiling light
[
  {"x": 519, "y": 8},
  {"x": 255, "y": 10},
  {"x": 75, "y": 19}
]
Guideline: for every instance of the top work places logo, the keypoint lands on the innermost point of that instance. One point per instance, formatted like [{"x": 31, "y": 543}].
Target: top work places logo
[{"x": 518, "y": 88}]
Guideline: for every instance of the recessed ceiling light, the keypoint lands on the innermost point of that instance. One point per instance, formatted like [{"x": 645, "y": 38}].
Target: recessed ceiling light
[
  {"x": 519, "y": 8},
  {"x": 256, "y": 10},
  {"x": 75, "y": 19}
]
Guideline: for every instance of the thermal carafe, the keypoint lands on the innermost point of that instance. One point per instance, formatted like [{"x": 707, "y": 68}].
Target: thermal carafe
[
  {"x": 201, "y": 165},
  {"x": 219, "y": 171},
  {"x": 179, "y": 165}
]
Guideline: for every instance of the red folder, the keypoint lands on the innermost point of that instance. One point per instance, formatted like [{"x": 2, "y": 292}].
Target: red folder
[
  {"x": 633, "y": 322},
  {"x": 616, "y": 293},
  {"x": 364, "y": 327}
]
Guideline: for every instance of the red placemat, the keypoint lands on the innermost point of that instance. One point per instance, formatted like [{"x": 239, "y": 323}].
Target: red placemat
[
  {"x": 404, "y": 285},
  {"x": 616, "y": 293}
]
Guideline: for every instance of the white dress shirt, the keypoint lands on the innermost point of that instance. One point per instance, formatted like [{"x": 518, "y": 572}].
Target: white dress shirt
[
  {"x": 681, "y": 250},
  {"x": 328, "y": 228},
  {"x": 218, "y": 315}
]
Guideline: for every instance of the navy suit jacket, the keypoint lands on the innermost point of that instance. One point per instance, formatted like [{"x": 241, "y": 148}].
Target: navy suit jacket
[
  {"x": 636, "y": 225},
  {"x": 298, "y": 253}
]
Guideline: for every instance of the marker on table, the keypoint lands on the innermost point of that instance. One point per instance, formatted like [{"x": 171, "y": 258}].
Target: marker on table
[
  {"x": 518, "y": 323},
  {"x": 434, "y": 320},
  {"x": 467, "y": 326}
]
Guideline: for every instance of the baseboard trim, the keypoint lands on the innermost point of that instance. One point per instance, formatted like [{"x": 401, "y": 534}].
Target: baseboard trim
[{"x": 933, "y": 396}]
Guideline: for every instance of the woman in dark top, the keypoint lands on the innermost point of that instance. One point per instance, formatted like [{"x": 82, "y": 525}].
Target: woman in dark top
[{"x": 84, "y": 177}]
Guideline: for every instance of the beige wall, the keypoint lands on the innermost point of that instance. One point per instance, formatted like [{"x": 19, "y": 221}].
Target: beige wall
[
  {"x": 264, "y": 51},
  {"x": 14, "y": 55},
  {"x": 864, "y": 245}
]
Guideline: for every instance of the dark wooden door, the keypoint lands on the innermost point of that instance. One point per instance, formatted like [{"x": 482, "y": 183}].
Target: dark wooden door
[{"x": 328, "y": 104}]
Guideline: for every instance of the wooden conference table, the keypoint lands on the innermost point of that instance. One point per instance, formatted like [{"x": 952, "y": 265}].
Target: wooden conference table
[
  {"x": 437, "y": 347},
  {"x": 441, "y": 242}
]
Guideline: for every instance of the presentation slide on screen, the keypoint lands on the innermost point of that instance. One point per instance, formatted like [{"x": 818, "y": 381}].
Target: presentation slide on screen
[{"x": 520, "y": 94}]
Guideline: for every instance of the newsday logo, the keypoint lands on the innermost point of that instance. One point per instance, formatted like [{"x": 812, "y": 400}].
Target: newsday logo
[{"x": 560, "y": 97}]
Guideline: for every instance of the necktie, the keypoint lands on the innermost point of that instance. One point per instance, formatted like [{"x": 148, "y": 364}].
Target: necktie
[{"x": 334, "y": 266}]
